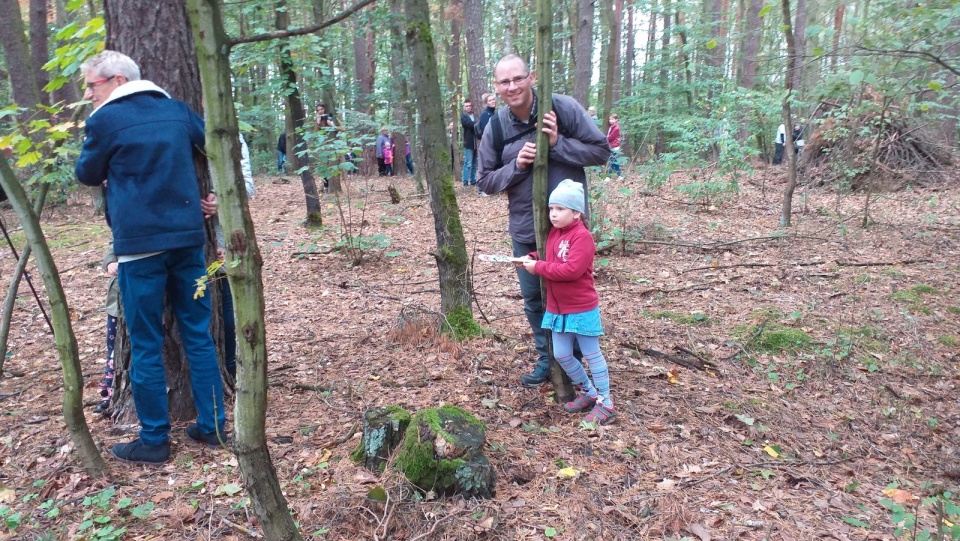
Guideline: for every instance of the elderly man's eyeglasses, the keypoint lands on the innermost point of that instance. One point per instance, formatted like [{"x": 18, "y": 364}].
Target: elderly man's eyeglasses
[
  {"x": 93, "y": 84},
  {"x": 505, "y": 83}
]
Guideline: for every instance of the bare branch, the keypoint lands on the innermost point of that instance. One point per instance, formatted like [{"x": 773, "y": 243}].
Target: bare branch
[
  {"x": 916, "y": 54},
  {"x": 280, "y": 34}
]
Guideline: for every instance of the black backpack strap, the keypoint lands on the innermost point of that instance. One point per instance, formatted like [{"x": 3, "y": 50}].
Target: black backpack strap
[{"x": 496, "y": 131}]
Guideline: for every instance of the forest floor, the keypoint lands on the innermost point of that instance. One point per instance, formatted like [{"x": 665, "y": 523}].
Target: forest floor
[{"x": 833, "y": 411}]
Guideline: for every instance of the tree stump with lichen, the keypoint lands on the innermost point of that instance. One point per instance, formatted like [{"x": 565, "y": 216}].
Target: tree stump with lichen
[
  {"x": 383, "y": 430},
  {"x": 441, "y": 452}
]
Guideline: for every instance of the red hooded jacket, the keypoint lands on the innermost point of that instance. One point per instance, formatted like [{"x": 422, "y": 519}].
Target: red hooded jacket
[{"x": 568, "y": 270}]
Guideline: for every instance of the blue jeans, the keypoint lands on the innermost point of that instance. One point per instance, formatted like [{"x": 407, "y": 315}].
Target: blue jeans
[
  {"x": 144, "y": 283},
  {"x": 469, "y": 166},
  {"x": 533, "y": 305},
  {"x": 614, "y": 163},
  {"x": 281, "y": 159}
]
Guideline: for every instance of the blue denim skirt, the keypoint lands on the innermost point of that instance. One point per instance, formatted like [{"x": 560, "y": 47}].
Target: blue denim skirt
[{"x": 585, "y": 323}]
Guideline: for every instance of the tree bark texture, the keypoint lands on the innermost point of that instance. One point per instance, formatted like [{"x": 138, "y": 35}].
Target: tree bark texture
[
  {"x": 451, "y": 255},
  {"x": 541, "y": 215},
  {"x": 786, "y": 208},
  {"x": 16, "y": 54},
  {"x": 799, "y": 32},
  {"x": 66, "y": 341},
  {"x": 246, "y": 283},
  {"x": 39, "y": 53},
  {"x": 156, "y": 35},
  {"x": 583, "y": 52},
  {"x": 363, "y": 65},
  {"x": 477, "y": 77},
  {"x": 751, "y": 44}
]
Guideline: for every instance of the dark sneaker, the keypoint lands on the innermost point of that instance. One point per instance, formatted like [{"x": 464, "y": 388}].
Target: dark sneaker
[
  {"x": 102, "y": 407},
  {"x": 582, "y": 402},
  {"x": 210, "y": 440},
  {"x": 140, "y": 453}
]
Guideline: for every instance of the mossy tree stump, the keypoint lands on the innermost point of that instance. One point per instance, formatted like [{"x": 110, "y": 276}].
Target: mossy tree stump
[
  {"x": 442, "y": 452},
  {"x": 383, "y": 430}
]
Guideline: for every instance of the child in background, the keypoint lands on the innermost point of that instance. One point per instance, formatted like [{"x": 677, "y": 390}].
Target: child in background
[
  {"x": 112, "y": 307},
  {"x": 388, "y": 158},
  {"x": 573, "y": 307},
  {"x": 613, "y": 137}
]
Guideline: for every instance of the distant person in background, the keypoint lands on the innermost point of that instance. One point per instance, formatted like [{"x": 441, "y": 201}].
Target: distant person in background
[
  {"x": 778, "y": 143},
  {"x": 592, "y": 113},
  {"x": 324, "y": 119},
  {"x": 613, "y": 137},
  {"x": 281, "y": 152},
  {"x": 490, "y": 109},
  {"x": 469, "y": 123},
  {"x": 382, "y": 139},
  {"x": 797, "y": 138},
  {"x": 388, "y": 158}
]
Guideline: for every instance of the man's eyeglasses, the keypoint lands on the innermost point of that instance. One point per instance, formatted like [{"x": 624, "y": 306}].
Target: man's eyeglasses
[
  {"x": 505, "y": 83},
  {"x": 93, "y": 84}
]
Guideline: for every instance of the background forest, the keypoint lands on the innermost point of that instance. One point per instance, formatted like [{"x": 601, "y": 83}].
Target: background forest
[{"x": 827, "y": 408}]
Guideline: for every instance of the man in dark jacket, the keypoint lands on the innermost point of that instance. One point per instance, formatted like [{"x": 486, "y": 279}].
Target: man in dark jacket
[
  {"x": 468, "y": 121},
  {"x": 139, "y": 146},
  {"x": 580, "y": 143}
]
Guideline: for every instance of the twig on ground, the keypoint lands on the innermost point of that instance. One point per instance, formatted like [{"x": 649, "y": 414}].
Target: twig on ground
[
  {"x": 242, "y": 529},
  {"x": 691, "y": 286}
]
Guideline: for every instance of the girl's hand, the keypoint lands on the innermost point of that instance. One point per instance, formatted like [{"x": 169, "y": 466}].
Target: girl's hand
[{"x": 529, "y": 265}]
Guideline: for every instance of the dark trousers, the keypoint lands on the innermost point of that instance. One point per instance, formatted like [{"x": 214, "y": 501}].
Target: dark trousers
[
  {"x": 381, "y": 167},
  {"x": 143, "y": 285},
  {"x": 777, "y": 153}
]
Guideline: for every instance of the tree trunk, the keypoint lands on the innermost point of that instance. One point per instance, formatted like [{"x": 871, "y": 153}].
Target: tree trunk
[
  {"x": 246, "y": 283},
  {"x": 297, "y": 121},
  {"x": 612, "y": 59},
  {"x": 39, "y": 53},
  {"x": 799, "y": 32},
  {"x": 364, "y": 79},
  {"x": 787, "y": 206},
  {"x": 156, "y": 35},
  {"x": 453, "y": 83},
  {"x": 66, "y": 341},
  {"x": 583, "y": 52},
  {"x": 16, "y": 54},
  {"x": 478, "y": 78},
  {"x": 562, "y": 386},
  {"x": 452, "y": 262},
  {"x": 661, "y": 145},
  {"x": 837, "y": 28},
  {"x": 751, "y": 44}
]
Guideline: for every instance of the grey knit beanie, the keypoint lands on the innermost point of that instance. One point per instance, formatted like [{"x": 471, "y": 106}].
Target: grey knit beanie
[{"x": 568, "y": 194}]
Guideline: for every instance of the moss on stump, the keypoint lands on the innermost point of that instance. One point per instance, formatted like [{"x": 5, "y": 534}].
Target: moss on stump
[
  {"x": 383, "y": 430},
  {"x": 441, "y": 452}
]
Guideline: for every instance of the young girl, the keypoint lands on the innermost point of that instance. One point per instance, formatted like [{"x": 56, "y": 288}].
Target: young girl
[
  {"x": 573, "y": 308},
  {"x": 388, "y": 157}
]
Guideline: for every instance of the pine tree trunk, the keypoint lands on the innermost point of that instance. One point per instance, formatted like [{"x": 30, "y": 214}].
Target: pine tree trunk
[
  {"x": 787, "y": 206},
  {"x": 477, "y": 75},
  {"x": 295, "y": 141},
  {"x": 451, "y": 254},
  {"x": 16, "y": 54},
  {"x": 583, "y": 53}
]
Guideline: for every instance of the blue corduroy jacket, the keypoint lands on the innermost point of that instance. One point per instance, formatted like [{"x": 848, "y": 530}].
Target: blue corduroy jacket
[{"x": 141, "y": 142}]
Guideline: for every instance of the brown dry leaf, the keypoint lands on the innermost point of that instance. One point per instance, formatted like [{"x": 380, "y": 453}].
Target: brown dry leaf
[
  {"x": 515, "y": 422},
  {"x": 700, "y": 531},
  {"x": 161, "y": 496},
  {"x": 899, "y": 496},
  {"x": 667, "y": 484}
]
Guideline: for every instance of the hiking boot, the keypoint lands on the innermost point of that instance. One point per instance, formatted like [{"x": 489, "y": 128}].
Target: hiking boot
[
  {"x": 210, "y": 440},
  {"x": 102, "y": 406},
  {"x": 582, "y": 402},
  {"x": 600, "y": 414},
  {"x": 140, "y": 453},
  {"x": 538, "y": 377}
]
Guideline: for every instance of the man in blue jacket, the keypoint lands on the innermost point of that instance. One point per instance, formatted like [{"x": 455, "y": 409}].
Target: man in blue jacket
[{"x": 139, "y": 148}]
